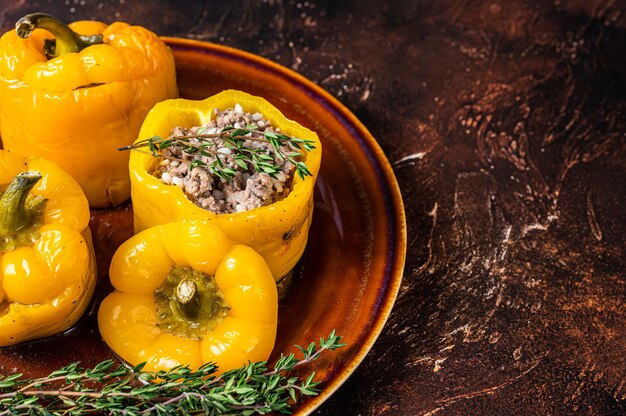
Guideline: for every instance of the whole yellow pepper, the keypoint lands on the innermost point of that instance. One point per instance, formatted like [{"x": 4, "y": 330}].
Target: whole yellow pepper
[
  {"x": 76, "y": 99},
  {"x": 278, "y": 232},
  {"x": 185, "y": 294},
  {"x": 47, "y": 264}
]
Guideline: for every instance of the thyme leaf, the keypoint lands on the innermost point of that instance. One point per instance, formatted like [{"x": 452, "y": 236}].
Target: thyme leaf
[
  {"x": 107, "y": 388},
  {"x": 282, "y": 146}
]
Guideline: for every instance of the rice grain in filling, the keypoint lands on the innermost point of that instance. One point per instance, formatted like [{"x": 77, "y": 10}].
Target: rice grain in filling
[{"x": 247, "y": 189}]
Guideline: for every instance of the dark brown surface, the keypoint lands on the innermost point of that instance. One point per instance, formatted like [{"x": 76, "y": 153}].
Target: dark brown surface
[{"x": 505, "y": 123}]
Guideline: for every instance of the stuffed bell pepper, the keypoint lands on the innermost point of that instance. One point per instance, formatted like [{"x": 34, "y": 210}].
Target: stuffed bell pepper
[
  {"x": 47, "y": 264},
  {"x": 74, "y": 94},
  {"x": 232, "y": 159},
  {"x": 185, "y": 294}
]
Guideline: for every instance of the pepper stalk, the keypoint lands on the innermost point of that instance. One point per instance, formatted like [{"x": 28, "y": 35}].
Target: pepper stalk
[
  {"x": 14, "y": 215},
  {"x": 188, "y": 298},
  {"x": 66, "y": 40},
  {"x": 189, "y": 303}
]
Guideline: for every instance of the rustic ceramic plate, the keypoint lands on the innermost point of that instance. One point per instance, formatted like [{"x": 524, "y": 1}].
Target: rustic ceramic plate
[{"x": 351, "y": 271}]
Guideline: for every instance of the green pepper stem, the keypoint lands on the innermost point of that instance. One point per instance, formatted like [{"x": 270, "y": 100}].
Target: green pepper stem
[
  {"x": 66, "y": 40},
  {"x": 13, "y": 215},
  {"x": 189, "y": 303},
  {"x": 186, "y": 295}
]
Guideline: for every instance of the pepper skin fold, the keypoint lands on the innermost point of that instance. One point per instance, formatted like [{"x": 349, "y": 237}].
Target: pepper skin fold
[
  {"x": 185, "y": 294},
  {"x": 278, "y": 232},
  {"x": 76, "y": 106},
  {"x": 47, "y": 263}
]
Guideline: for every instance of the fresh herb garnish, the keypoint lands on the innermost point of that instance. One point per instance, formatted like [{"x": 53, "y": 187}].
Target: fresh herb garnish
[
  {"x": 283, "y": 147},
  {"x": 120, "y": 390}
]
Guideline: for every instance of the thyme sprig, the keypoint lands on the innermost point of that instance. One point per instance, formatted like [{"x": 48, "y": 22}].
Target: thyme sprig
[
  {"x": 120, "y": 390},
  {"x": 283, "y": 147}
]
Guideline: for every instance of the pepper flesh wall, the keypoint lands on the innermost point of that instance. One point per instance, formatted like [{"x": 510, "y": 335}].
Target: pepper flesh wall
[
  {"x": 278, "y": 231},
  {"x": 158, "y": 268},
  {"x": 77, "y": 108},
  {"x": 47, "y": 263}
]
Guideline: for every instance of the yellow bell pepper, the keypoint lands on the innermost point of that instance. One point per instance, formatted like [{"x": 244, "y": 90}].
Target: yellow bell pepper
[
  {"x": 47, "y": 264},
  {"x": 88, "y": 99},
  {"x": 278, "y": 232},
  {"x": 185, "y": 294}
]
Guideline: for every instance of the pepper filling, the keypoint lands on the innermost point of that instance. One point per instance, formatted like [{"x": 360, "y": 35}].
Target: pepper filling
[
  {"x": 21, "y": 212},
  {"x": 189, "y": 303},
  {"x": 247, "y": 188}
]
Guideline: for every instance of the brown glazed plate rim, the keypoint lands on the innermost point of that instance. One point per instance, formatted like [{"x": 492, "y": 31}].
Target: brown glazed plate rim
[{"x": 386, "y": 182}]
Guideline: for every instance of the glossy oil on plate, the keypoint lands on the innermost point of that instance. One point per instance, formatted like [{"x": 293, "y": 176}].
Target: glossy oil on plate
[{"x": 350, "y": 273}]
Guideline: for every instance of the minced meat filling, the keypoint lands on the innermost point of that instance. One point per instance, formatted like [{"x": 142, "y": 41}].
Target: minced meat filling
[{"x": 247, "y": 189}]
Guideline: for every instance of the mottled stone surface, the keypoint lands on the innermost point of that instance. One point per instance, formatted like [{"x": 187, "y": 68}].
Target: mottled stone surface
[{"x": 505, "y": 122}]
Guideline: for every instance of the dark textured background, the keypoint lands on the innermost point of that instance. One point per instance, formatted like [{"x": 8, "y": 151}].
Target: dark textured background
[{"x": 505, "y": 122}]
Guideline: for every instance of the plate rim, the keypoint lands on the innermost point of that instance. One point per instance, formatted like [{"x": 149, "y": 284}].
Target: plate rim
[{"x": 395, "y": 207}]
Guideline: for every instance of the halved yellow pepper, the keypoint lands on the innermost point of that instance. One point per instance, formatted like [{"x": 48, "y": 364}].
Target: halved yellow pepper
[
  {"x": 47, "y": 264},
  {"x": 88, "y": 99},
  {"x": 185, "y": 294},
  {"x": 278, "y": 232}
]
